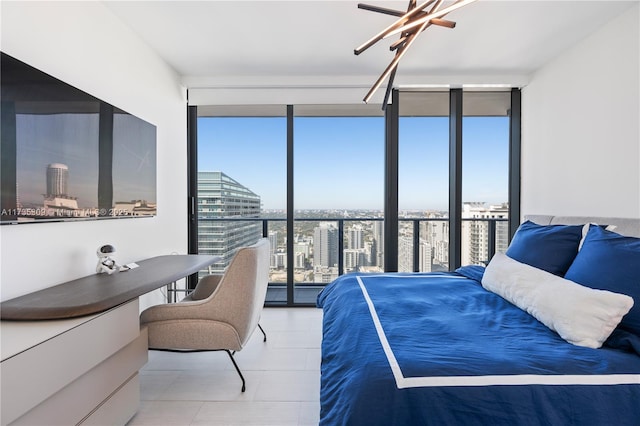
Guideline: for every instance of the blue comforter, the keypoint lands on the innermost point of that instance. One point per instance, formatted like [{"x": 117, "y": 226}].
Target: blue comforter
[{"x": 437, "y": 348}]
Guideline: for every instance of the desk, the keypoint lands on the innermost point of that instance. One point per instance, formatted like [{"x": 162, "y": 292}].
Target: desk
[
  {"x": 71, "y": 353},
  {"x": 100, "y": 292}
]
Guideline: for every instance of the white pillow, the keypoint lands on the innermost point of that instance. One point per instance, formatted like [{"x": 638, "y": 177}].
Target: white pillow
[{"x": 580, "y": 315}]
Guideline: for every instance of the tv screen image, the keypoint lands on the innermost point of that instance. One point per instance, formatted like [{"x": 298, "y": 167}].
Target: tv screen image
[{"x": 67, "y": 155}]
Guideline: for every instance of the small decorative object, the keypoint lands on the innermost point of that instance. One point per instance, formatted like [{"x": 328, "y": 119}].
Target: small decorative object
[
  {"x": 408, "y": 25},
  {"x": 105, "y": 263}
]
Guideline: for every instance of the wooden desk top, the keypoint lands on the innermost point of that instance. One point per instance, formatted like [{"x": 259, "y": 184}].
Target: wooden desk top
[{"x": 99, "y": 292}]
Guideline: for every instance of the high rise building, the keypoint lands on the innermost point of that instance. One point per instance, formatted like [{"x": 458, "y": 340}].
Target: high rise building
[
  {"x": 57, "y": 180},
  {"x": 299, "y": 261},
  {"x": 354, "y": 237},
  {"x": 426, "y": 256},
  {"x": 301, "y": 250},
  {"x": 325, "y": 245},
  {"x": 221, "y": 197},
  {"x": 475, "y": 234},
  {"x": 377, "y": 249},
  {"x": 279, "y": 260},
  {"x": 302, "y": 247},
  {"x": 354, "y": 259},
  {"x": 324, "y": 275},
  {"x": 405, "y": 254},
  {"x": 57, "y": 200},
  {"x": 437, "y": 234},
  {"x": 273, "y": 247},
  {"x": 273, "y": 241}
]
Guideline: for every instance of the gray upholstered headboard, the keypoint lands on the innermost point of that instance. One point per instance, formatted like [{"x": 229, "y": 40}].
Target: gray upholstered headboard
[{"x": 624, "y": 226}]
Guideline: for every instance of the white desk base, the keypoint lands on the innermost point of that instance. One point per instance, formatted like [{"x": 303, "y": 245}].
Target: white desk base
[{"x": 75, "y": 371}]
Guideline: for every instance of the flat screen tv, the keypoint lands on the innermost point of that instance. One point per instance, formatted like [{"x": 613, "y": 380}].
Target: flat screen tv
[{"x": 67, "y": 156}]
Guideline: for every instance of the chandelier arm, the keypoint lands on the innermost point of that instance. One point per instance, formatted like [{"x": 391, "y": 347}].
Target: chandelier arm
[
  {"x": 387, "y": 92},
  {"x": 420, "y": 21},
  {"x": 435, "y": 21},
  {"x": 394, "y": 63},
  {"x": 390, "y": 68},
  {"x": 443, "y": 23},
  {"x": 409, "y": 26},
  {"x": 392, "y": 29},
  {"x": 398, "y": 43},
  {"x": 379, "y": 9},
  {"x": 402, "y": 40},
  {"x": 434, "y": 9}
]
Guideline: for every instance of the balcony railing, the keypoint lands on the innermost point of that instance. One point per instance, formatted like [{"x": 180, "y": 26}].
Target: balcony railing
[
  {"x": 494, "y": 230},
  {"x": 412, "y": 228}
]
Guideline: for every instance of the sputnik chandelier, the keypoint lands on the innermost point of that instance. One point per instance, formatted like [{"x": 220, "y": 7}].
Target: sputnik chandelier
[{"x": 408, "y": 25}]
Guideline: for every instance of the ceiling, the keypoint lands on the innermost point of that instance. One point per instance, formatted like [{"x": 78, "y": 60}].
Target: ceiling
[{"x": 213, "y": 43}]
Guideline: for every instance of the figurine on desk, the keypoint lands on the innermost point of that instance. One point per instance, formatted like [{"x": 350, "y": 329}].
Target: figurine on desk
[{"x": 105, "y": 263}]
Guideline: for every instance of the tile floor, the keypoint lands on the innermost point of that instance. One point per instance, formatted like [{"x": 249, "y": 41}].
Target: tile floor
[{"x": 282, "y": 377}]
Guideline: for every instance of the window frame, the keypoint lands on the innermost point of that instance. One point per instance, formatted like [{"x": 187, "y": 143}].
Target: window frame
[{"x": 391, "y": 213}]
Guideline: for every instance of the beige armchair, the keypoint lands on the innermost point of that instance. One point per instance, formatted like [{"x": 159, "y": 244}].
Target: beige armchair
[{"x": 220, "y": 314}]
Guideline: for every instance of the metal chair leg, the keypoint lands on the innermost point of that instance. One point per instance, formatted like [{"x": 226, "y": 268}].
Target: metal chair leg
[
  {"x": 263, "y": 333},
  {"x": 237, "y": 368}
]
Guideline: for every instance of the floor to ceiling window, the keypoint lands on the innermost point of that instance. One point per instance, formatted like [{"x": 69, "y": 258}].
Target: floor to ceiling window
[
  {"x": 485, "y": 175},
  {"x": 241, "y": 178},
  {"x": 424, "y": 178},
  {"x": 423, "y": 181},
  {"x": 338, "y": 194},
  {"x": 316, "y": 181}
]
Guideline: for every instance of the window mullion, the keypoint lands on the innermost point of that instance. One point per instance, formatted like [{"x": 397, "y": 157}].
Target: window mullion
[
  {"x": 514, "y": 161},
  {"x": 290, "y": 228},
  {"x": 455, "y": 178},
  {"x": 192, "y": 187},
  {"x": 391, "y": 185}
]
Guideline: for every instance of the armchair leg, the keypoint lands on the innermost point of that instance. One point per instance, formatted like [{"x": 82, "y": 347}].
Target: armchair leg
[
  {"x": 237, "y": 368},
  {"x": 263, "y": 333}
]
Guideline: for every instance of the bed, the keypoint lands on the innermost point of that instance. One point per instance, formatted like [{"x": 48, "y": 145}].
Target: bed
[{"x": 546, "y": 334}]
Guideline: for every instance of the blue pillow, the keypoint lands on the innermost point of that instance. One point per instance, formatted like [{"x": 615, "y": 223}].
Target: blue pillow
[
  {"x": 551, "y": 248},
  {"x": 621, "y": 339},
  {"x": 473, "y": 272},
  {"x": 610, "y": 261}
]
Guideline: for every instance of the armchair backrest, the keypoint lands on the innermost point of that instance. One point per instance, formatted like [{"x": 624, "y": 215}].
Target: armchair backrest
[{"x": 243, "y": 288}]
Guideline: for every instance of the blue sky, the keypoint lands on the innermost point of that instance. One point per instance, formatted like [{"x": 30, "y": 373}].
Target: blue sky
[{"x": 339, "y": 161}]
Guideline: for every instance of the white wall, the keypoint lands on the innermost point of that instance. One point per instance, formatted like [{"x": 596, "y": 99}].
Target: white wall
[
  {"x": 581, "y": 127},
  {"x": 85, "y": 45}
]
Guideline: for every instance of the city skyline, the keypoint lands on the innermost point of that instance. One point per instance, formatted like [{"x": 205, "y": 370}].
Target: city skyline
[
  {"x": 324, "y": 244},
  {"x": 339, "y": 161}
]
